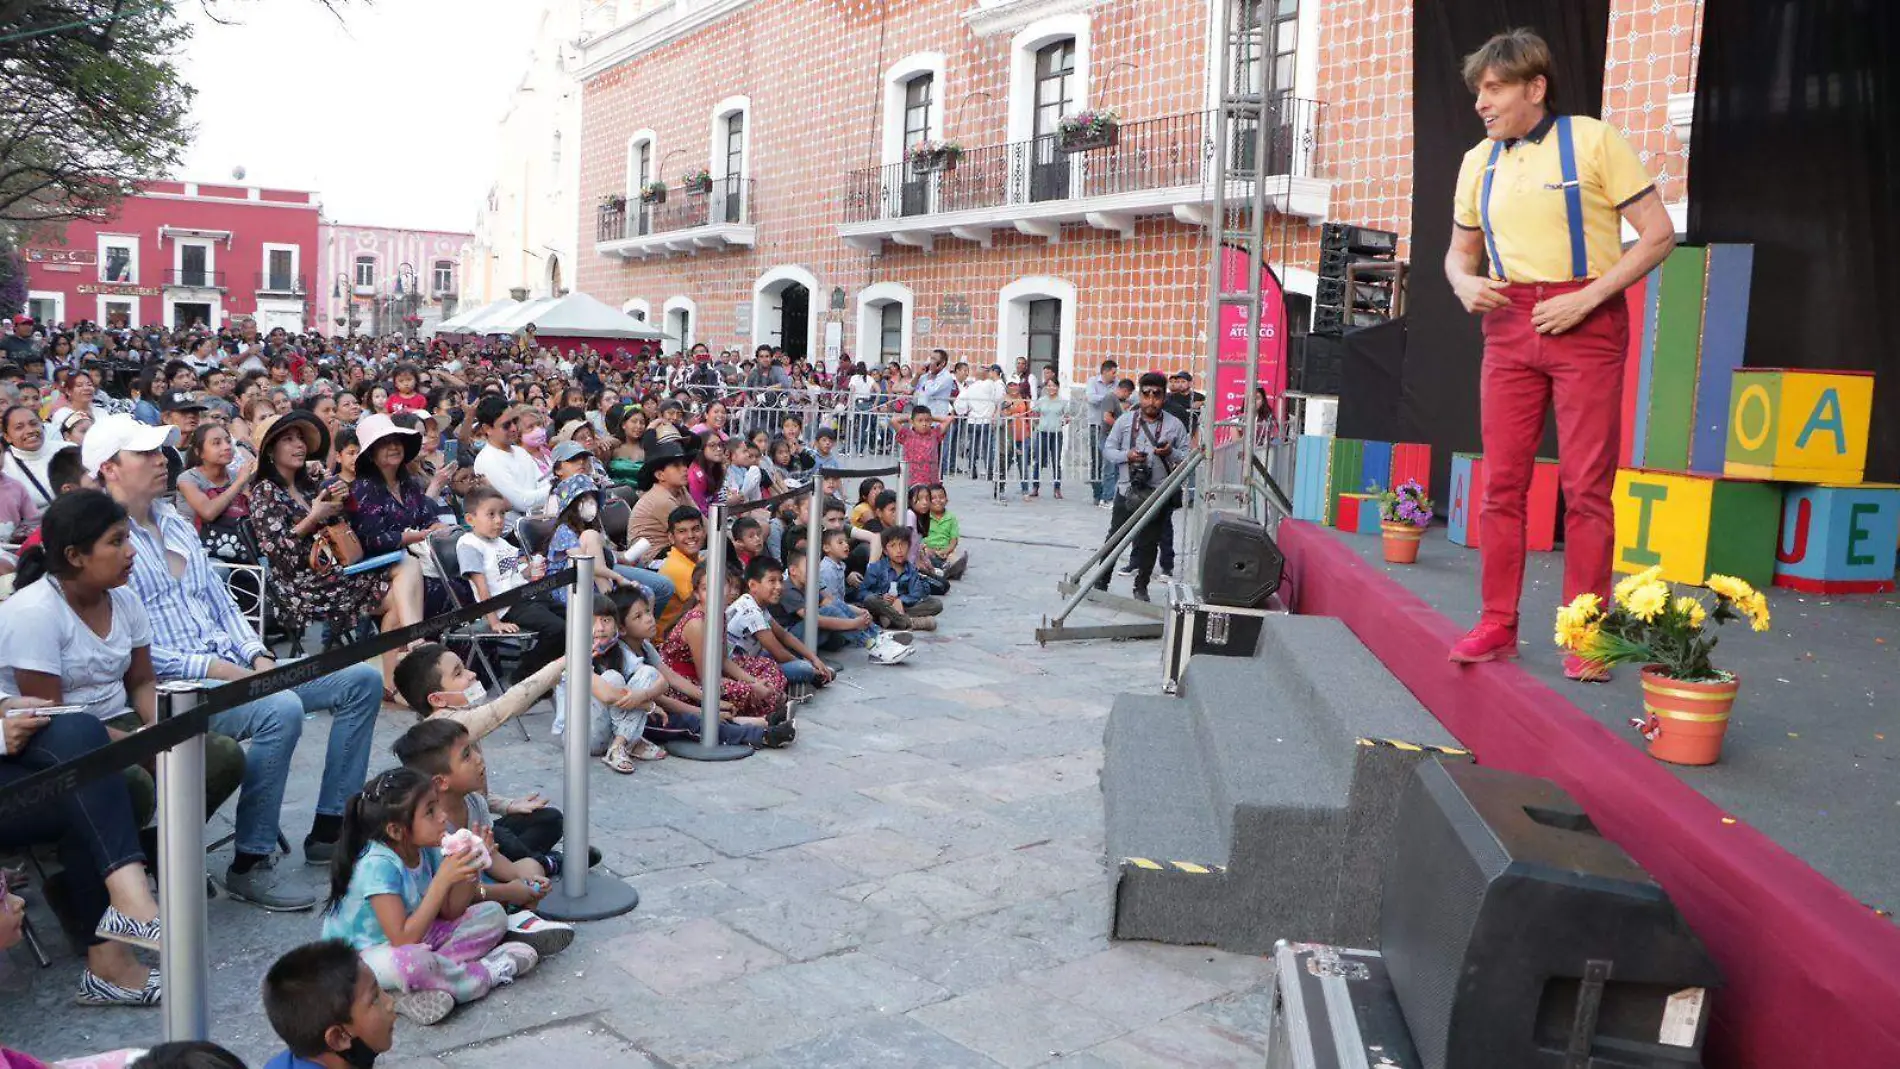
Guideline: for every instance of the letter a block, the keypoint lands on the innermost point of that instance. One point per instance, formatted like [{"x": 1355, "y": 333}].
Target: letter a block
[
  {"x": 1696, "y": 526},
  {"x": 1839, "y": 539},
  {"x": 1799, "y": 426},
  {"x": 1467, "y": 495}
]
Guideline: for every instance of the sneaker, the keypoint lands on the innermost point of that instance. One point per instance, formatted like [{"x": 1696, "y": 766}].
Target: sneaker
[
  {"x": 799, "y": 692},
  {"x": 1141, "y": 593},
  {"x": 1585, "y": 671},
  {"x": 1486, "y": 642},
  {"x": 317, "y": 851},
  {"x": 779, "y": 735},
  {"x": 94, "y": 990},
  {"x": 425, "y": 1007},
  {"x": 1167, "y": 571},
  {"x": 120, "y": 928},
  {"x": 1126, "y": 569},
  {"x": 923, "y": 623},
  {"x": 510, "y": 962},
  {"x": 554, "y": 861},
  {"x": 545, "y": 936},
  {"x": 1058, "y": 491},
  {"x": 902, "y": 638},
  {"x": 782, "y": 714},
  {"x": 886, "y": 652},
  {"x": 263, "y": 887}
]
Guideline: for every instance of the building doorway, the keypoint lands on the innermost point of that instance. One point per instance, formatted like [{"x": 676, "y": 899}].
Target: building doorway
[
  {"x": 186, "y": 314},
  {"x": 794, "y": 321}
]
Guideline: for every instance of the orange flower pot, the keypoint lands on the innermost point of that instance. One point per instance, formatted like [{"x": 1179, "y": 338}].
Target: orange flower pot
[
  {"x": 1687, "y": 721},
  {"x": 1401, "y": 542}
]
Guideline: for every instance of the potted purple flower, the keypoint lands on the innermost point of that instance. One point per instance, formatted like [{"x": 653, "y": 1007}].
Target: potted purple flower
[
  {"x": 1086, "y": 131},
  {"x": 1403, "y": 516},
  {"x": 697, "y": 182},
  {"x": 928, "y": 156},
  {"x": 653, "y": 192}
]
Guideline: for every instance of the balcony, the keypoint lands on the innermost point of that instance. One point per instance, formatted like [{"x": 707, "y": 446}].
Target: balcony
[
  {"x": 723, "y": 217},
  {"x": 1154, "y": 167},
  {"x": 196, "y": 278},
  {"x": 276, "y": 282}
]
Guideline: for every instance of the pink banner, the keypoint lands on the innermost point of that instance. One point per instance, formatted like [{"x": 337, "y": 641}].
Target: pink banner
[{"x": 1230, "y": 384}]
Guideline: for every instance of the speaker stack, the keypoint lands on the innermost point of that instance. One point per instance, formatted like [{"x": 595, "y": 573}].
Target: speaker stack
[
  {"x": 1341, "y": 246},
  {"x": 1240, "y": 568}
]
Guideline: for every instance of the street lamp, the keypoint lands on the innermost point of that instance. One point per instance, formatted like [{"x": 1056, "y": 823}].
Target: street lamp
[
  {"x": 405, "y": 296},
  {"x": 341, "y": 296}
]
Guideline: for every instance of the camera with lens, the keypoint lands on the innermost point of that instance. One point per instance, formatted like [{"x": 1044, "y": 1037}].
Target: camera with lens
[{"x": 1140, "y": 478}]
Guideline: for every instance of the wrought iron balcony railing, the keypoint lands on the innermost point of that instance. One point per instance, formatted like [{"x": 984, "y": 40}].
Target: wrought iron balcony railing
[{"x": 729, "y": 200}]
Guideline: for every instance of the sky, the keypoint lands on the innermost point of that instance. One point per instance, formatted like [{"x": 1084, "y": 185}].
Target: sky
[{"x": 389, "y": 114}]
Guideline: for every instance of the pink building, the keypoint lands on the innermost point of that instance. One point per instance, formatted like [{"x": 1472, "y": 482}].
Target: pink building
[
  {"x": 179, "y": 253},
  {"x": 377, "y": 280}
]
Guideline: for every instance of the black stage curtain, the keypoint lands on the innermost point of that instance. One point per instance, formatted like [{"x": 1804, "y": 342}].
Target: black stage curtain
[
  {"x": 1797, "y": 110},
  {"x": 1439, "y": 397},
  {"x": 1371, "y": 374}
]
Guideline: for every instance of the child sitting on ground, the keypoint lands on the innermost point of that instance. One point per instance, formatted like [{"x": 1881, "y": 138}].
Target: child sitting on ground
[
  {"x": 839, "y": 625},
  {"x": 868, "y": 489},
  {"x": 744, "y": 480},
  {"x": 617, "y": 707},
  {"x": 944, "y": 544},
  {"x": 753, "y": 632},
  {"x": 907, "y": 602},
  {"x": 327, "y": 1007},
  {"x": 754, "y": 685},
  {"x": 442, "y": 750},
  {"x": 434, "y": 681},
  {"x": 748, "y": 539},
  {"x": 419, "y": 918},
  {"x": 676, "y": 713}
]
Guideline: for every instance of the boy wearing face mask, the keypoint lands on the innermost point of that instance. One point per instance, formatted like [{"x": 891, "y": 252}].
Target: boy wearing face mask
[{"x": 327, "y": 1007}]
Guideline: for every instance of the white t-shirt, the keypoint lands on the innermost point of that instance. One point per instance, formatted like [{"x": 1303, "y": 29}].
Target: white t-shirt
[
  {"x": 501, "y": 563},
  {"x": 744, "y": 621},
  {"x": 39, "y": 632},
  {"x": 514, "y": 473}
]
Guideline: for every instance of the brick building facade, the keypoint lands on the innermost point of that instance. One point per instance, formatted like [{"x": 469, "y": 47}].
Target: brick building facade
[{"x": 817, "y": 235}]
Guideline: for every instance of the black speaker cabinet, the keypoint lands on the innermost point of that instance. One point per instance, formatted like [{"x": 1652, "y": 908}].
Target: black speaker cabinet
[
  {"x": 1240, "y": 565},
  {"x": 1517, "y": 935}
]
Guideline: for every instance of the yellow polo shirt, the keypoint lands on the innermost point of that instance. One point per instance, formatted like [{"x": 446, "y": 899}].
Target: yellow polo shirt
[{"x": 1528, "y": 218}]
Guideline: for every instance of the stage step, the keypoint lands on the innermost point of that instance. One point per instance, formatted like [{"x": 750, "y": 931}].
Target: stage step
[{"x": 1259, "y": 766}]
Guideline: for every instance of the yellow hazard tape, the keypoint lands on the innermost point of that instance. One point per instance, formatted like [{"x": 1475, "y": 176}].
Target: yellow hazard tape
[
  {"x": 1415, "y": 747},
  {"x": 1190, "y": 867}
]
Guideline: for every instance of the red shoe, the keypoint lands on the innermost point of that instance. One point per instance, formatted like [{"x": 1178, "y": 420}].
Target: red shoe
[
  {"x": 1486, "y": 642},
  {"x": 1585, "y": 671}
]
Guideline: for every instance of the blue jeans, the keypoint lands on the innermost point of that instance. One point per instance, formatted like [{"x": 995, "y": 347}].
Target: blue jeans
[
  {"x": 273, "y": 725},
  {"x": 860, "y": 637},
  {"x": 1105, "y": 487},
  {"x": 799, "y": 671},
  {"x": 657, "y": 586}
]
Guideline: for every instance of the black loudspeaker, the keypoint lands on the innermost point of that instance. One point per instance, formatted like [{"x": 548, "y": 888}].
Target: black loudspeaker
[
  {"x": 1516, "y": 935},
  {"x": 1240, "y": 565}
]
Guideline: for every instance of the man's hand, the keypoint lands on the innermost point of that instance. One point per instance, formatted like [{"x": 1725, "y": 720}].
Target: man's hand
[
  {"x": 1479, "y": 294},
  {"x": 1554, "y": 315},
  {"x": 823, "y": 671},
  {"x": 503, "y": 627},
  {"x": 523, "y": 806},
  {"x": 225, "y": 672}
]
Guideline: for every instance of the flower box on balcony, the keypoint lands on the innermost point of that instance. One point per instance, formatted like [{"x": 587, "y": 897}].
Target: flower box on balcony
[
  {"x": 697, "y": 183},
  {"x": 928, "y": 156},
  {"x": 653, "y": 193},
  {"x": 1086, "y": 131},
  {"x": 613, "y": 202}
]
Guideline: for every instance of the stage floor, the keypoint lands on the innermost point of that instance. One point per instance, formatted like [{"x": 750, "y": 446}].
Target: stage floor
[{"x": 1812, "y": 757}]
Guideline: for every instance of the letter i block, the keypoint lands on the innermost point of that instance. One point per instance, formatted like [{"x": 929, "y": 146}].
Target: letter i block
[
  {"x": 1467, "y": 494},
  {"x": 1799, "y": 426},
  {"x": 1358, "y": 513},
  {"x": 1838, "y": 539},
  {"x": 1696, "y": 526}
]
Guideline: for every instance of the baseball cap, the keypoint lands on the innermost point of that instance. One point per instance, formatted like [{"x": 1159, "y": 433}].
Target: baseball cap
[
  {"x": 119, "y": 433},
  {"x": 182, "y": 401},
  {"x": 568, "y": 450}
]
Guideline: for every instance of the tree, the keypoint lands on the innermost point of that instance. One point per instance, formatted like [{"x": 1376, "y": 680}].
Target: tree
[{"x": 92, "y": 105}]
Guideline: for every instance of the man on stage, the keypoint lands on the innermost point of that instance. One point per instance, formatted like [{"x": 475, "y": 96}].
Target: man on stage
[{"x": 1540, "y": 199}]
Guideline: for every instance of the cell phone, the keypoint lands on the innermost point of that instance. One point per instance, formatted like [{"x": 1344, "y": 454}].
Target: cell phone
[{"x": 46, "y": 710}]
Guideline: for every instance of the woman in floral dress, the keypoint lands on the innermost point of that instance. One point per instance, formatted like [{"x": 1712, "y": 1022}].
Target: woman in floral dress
[
  {"x": 754, "y": 685},
  {"x": 389, "y": 508}
]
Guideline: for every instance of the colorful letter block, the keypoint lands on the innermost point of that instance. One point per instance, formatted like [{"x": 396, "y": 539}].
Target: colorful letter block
[
  {"x": 1358, "y": 513},
  {"x": 1799, "y": 426},
  {"x": 1467, "y": 500},
  {"x": 1696, "y": 525},
  {"x": 1312, "y": 477},
  {"x": 1688, "y": 324},
  {"x": 1349, "y": 463},
  {"x": 1375, "y": 467},
  {"x": 1838, "y": 539},
  {"x": 1412, "y": 461}
]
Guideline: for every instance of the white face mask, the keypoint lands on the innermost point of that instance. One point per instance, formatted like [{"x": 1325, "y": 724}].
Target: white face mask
[
  {"x": 474, "y": 695},
  {"x": 587, "y": 511}
]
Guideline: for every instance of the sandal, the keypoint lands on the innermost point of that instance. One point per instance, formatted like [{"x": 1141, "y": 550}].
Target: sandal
[
  {"x": 618, "y": 759},
  {"x": 645, "y": 750}
]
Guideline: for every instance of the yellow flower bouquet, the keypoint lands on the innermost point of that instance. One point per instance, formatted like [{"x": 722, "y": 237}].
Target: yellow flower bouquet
[{"x": 1648, "y": 623}]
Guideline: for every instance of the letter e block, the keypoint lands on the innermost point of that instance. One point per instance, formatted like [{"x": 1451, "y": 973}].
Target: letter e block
[{"x": 1838, "y": 539}]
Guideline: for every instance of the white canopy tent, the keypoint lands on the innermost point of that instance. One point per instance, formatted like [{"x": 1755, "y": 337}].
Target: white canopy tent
[
  {"x": 576, "y": 315},
  {"x": 464, "y": 322}
]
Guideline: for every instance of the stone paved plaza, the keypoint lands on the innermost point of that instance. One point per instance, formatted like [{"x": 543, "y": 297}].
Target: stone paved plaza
[{"x": 919, "y": 881}]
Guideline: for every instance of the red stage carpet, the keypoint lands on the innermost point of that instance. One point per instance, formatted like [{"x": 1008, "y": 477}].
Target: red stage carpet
[{"x": 1813, "y": 975}]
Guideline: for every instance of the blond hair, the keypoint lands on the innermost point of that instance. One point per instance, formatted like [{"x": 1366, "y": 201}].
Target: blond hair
[{"x": 1515, "y": 56}]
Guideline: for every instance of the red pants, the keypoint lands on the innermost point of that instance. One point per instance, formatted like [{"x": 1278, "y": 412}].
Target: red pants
[{"x": 1580, "y": 372}]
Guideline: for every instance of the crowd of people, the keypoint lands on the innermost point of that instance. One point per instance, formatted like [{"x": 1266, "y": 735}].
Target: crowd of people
[{"x": 154, "y": 483}]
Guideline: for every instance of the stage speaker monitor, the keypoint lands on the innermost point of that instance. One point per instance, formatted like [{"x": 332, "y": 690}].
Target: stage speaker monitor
[
  {"x": 1240, "y": 565},
  {"x": 1517, "y": 935}
]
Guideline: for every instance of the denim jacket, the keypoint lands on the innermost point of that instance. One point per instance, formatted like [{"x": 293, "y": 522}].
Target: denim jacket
[{"x": 879, "y": 576}]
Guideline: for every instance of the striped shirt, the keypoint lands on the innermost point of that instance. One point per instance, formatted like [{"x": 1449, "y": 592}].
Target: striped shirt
[{"x": 194, "y": 618}]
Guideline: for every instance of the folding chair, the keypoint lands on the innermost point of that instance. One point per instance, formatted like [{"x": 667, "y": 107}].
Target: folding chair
[
  {"x": 26, "y": 926},
  {"x": 532, "y": 533},
  {"x": 616, "y": 521},
  {"x": 475, "y": 633},
  {"x": 629, "y": 494}
]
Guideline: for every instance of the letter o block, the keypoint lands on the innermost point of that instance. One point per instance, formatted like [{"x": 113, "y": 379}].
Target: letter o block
[
  {"x": 1798, "y": 426},
  {"x": 1696, "y": 525}
]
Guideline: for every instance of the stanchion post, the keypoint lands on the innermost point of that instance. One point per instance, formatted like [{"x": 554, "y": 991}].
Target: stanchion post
[
  {"x": 814, "y": 532},
  {"x": 712, "y": 652},
  {"x": 184, "y": 959},
  {"x": 903, "y": 482},
  {"x": 582, "y": 896}
]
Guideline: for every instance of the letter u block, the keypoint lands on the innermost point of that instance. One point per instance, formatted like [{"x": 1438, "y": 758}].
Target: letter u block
[
  {"x": 1839, "y": 539},
  {"x": 1696, "y": 525},
  {"x": 1799, "y": 426}
]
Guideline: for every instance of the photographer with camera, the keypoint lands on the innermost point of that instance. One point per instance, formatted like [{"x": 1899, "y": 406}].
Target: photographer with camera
[{"x": 1148, "y": 443}]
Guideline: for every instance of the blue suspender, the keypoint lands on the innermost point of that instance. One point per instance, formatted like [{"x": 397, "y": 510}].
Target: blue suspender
[
  {"x": 1484, "y": 210},
  {"x": 1573, "y": 199},
  {"x": 1573, "y": 203}
]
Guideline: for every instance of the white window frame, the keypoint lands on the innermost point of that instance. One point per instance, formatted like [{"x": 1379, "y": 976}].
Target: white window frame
[
  {"x": 437, "y": 268},
  {"x": 716, "y": 142},
  {"x": 895, "y": 81},
  {"x": 651, "y": 140},
  {"x": 639, "y": 308},
  {"x": 128, "y": 240},
  {"x": 58, "y": 299},
  {"x": 1022, "y": 68},
  {"x": 296, "y": 264},
  {"x": 210, "y": 247},
  {"x": 356, "y": 273},
  {"x": 131, "y": 320},
  {"x": 1012, "y": 322},
  {"x": 691, "y": 308},
  {"x": 768, "y": 287},
  {"x": 871, "y": 303}
]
